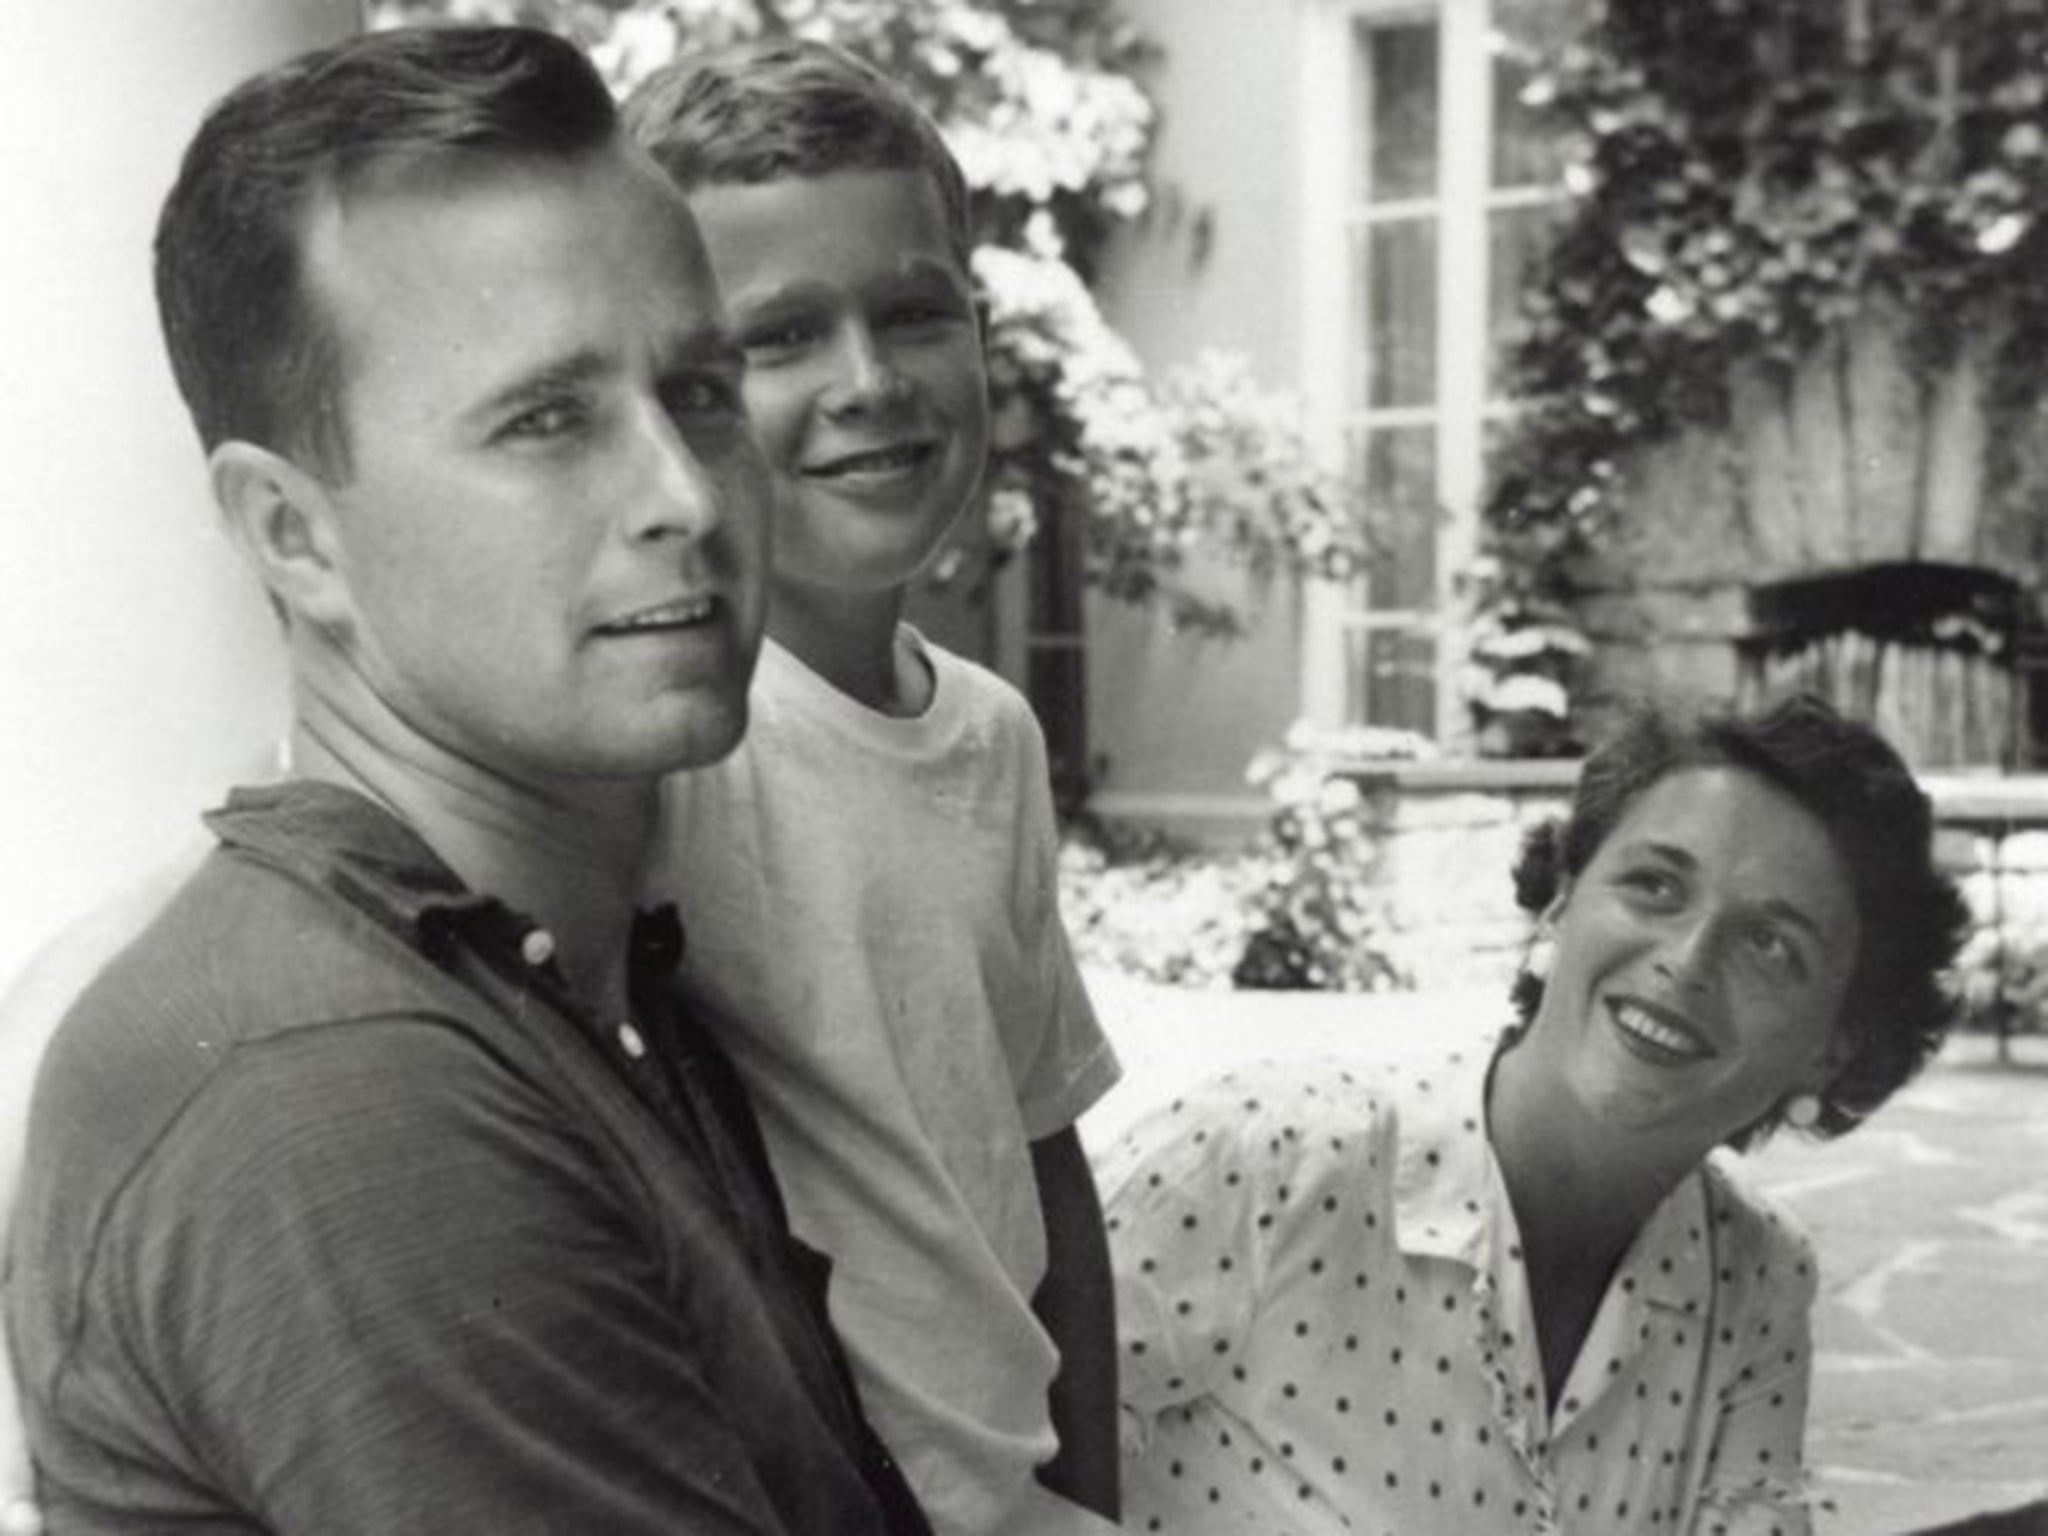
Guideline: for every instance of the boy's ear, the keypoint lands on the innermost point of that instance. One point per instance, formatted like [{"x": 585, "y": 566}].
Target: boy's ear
[{"x": 283, "y": 521}]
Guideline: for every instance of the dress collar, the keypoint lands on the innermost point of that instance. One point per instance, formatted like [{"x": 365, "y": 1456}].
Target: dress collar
[{"x": 1448, "y": 1178}]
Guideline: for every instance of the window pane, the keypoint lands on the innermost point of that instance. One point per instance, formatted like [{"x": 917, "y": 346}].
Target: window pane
[
  {"x": 1402, "y": 518},
  {"x": 1398, "y": 79},
  {"x": 1391, "y": 678},
  {"x": 1399, "y": 283},
  {"x": 1516, "y": 238},
  {"x": 1528, "y": 149}
]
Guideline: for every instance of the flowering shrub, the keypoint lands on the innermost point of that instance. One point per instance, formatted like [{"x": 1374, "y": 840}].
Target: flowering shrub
[
  {"x": 1298, "y": 909},
  {"x": 1150, "y": 909},
  {"x": 1038, "y": 100},
  {"x": 1202, "y": 460},
  {"x": 1749, "y": 176},
  {"x": 1318, "y": 919},
  {"x": 1524, "y": 659}
]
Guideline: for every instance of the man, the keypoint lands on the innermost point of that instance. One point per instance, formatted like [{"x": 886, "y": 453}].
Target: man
[{"x": 380, "y": 1186}]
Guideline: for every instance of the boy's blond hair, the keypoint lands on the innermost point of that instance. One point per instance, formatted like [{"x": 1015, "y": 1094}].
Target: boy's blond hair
[{"x": 780, "y": 107}]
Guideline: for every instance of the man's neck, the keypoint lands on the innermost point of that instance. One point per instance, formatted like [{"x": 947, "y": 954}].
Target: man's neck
[
  {"x": 569, "y": 859},
  {"x": 850, "y": 640}
]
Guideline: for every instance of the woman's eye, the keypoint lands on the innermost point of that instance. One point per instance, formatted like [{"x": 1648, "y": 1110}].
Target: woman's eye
[
  {"x": 1653, "y": 883},
  {"x": 1773, "y": 948}
]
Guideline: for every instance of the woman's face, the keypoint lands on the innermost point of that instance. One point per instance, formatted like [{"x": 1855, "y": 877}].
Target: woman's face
[{"x": 1702, "y": 958}]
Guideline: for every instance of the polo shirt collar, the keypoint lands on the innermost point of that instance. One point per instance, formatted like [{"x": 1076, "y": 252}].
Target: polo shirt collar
[{"x": 338, "y": 839}]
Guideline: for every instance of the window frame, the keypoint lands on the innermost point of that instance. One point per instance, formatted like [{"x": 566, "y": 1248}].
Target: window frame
[{"x": 1462, "y": 410}]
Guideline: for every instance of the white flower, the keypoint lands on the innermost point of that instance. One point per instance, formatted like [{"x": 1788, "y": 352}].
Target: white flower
[
  {"x": 1667, "y": 306},
  {"x": 2002, "y": 234},
  {"x": 1526, "y": 693}
]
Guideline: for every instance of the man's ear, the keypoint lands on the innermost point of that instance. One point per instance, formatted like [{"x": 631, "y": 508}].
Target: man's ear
[
  {"x": 1547, "y": 920},
  {"x": 283, "y": 521}
]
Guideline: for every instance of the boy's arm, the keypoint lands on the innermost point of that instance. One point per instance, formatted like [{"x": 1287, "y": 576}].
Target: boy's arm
[{"x": 1076, "y": 1302}]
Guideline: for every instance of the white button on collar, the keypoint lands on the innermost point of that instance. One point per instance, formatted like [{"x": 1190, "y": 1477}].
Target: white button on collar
[
  {"x": 631, "y": 1041},
  {"x": 538, "y": 947}
]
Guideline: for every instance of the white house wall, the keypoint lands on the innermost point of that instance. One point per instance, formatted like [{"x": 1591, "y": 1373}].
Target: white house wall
[{"x": 1216, "y": 264}]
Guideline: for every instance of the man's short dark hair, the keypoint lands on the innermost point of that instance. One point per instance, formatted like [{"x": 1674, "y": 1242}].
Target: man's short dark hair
[
  {"x": 783, "y": 107},
  {"x": 1898, "y": 1004},
  {"x": 254, "y": 356}
]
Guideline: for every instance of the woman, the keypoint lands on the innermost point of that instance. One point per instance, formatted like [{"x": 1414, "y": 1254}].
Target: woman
[{"x": 1518, "y": 1292}]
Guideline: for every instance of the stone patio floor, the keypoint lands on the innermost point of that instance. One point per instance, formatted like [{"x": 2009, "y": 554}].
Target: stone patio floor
[{"x": 1931, "y": 1382}]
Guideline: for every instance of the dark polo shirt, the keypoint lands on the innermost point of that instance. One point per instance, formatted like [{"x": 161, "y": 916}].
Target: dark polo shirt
[{"x": 341, "y": 1216}]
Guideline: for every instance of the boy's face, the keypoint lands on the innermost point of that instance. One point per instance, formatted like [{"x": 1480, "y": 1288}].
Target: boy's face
[
  {"x": 551, "y": 534},
  {"x": 864, "y": 367}
]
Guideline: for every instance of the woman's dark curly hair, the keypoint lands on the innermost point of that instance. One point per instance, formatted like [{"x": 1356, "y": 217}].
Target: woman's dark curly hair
[{"x": 1898, "y": 1005}]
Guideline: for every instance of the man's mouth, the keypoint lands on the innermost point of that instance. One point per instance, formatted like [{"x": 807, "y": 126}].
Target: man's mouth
[
  {"x": 685, "y": 613},
  {"x": 1659, "y": 1034},
  {"x": 872, "y": 461}
]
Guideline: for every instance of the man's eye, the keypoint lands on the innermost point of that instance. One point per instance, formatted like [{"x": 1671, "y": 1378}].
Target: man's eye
[
  {"x": 557, "y": 418},
  {"x": 701, "y": 395}
]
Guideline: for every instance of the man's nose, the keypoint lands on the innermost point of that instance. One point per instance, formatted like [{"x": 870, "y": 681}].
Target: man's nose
[{"x": 673, "y": 495}]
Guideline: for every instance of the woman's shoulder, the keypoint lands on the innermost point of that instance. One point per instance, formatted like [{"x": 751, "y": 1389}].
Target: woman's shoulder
[
  {"x": 1281, "y": 1121},
  {"x": 1758, "y": 1239}
]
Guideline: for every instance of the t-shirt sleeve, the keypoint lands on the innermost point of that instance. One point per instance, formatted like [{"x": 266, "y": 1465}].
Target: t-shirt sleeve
[
  {"x": 1074, "y": 1063},
  {"x": 1184, "y": 1190},
  {"x": 1755, "y": 1481},
  {"x": 395, "y": 1293}
]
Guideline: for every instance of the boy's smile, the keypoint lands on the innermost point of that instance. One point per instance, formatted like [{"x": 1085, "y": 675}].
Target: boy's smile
[{"x": 864, "y": 377}]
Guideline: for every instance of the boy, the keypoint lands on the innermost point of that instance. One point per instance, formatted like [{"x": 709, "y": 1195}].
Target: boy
[{"x": 868, "y": 883}]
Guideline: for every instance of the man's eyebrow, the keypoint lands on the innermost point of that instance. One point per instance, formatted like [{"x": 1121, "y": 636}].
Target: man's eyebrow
[{"x": 543, "y": 383}]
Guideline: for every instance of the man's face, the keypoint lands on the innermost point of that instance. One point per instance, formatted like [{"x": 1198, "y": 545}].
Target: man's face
[
  {"x": 864, "y": 366},
  {"x": 552, "y": 532}
]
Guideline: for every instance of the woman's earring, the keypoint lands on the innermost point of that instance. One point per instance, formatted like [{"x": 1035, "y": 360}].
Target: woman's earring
[
  {"x": 1542, "y": 955},
  {"x": 1802, "y": 1111}
]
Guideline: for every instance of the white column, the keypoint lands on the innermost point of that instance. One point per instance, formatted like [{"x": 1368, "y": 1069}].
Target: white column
[{"x": 140, "y": 670}]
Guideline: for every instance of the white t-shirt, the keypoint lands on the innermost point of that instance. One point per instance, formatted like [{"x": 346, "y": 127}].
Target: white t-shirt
[
  {"x": 1326, "y": 1327},
  {"x": 870, "y": 913}
]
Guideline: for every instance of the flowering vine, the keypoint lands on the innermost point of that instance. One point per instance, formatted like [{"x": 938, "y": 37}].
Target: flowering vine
[{"x": 1750, "y": 176}]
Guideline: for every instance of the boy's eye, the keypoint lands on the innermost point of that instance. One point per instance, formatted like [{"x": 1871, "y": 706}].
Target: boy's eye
[
  {"x": 917, "y": 313},
  {"x": 777, "y": 337}
]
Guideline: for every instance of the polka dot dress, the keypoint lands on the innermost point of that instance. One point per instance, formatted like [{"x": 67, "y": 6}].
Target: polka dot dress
[{"x": 1326, "y": 1327}]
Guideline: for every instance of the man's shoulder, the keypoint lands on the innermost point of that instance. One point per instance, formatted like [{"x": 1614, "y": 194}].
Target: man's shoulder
[
  {"x": 239, "y": 951},
  {"x": 240, "y": 955}
]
